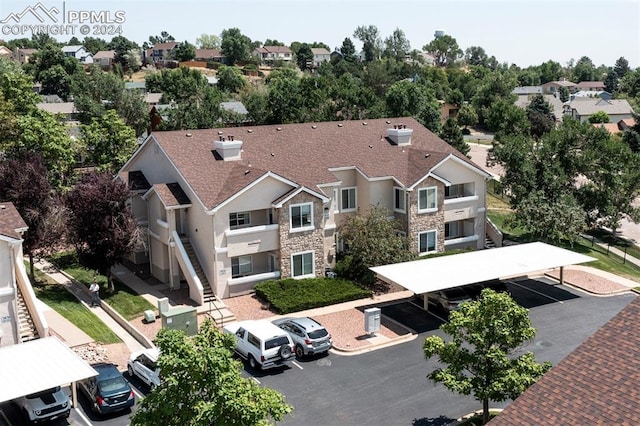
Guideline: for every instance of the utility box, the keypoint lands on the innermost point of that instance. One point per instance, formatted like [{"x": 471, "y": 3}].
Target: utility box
[
  {"x": 182, "y": 318},
  {"x": 372, "y": 320},
  {"x": 163, "y": 304}
]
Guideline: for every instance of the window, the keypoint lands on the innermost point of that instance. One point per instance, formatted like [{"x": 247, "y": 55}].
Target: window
[
  {"x": 427, "y": 199},
  {"x": 458, "y": 190},
  {"x": 427, "y": 242},
  {"x": 273, "y": 263},
  {"x": 301, "y": 216},
  {"x": 241, "y": 266},
  {"x": 348, "y": 199},
  {"x": 238, "y": 219},
  {"x": 398, "y": 200},
  {"x": 302, "y": 264},
  {"x": 452, "y": 230}
]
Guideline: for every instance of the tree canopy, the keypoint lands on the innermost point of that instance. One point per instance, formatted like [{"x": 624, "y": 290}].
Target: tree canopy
[
  {"x": 235, "y": 45},
  {"x": 202, "y": 385},
  {"x": 480, "y": 357}
]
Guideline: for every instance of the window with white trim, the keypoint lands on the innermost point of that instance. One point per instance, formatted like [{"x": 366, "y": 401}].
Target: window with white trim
[
  {"x": 399, "y": 200},
  {"x": 239, "y": 219},
  {"x": 348, "y": 198},
  {"x": 427, "y": 241},
  {"x": 241, "y": 266},
  {"x": 302, "y": 265},
  {"x": 427, "y": 199},
  {"x": 301, "y": 216}
]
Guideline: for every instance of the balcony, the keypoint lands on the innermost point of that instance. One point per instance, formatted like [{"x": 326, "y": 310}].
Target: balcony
[
  {"x": 253, "y": 239},
  {"x": 461, "y": 208}
]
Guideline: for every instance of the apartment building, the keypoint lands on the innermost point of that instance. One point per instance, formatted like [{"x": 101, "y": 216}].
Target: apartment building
[{"x": 228, "y": 208}]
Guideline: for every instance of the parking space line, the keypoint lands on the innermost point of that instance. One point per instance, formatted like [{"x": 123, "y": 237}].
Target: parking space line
[
  {"x": 138, "y": 394},
  {"x": 297, "y": 365},
  {"x": 535, "y": 291},
  {"x": 82, "y": 416},
  {"x": 428, "y": 312}
]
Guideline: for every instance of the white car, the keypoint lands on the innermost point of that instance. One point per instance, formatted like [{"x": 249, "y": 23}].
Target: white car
[
  {"x": 263, "y": 344},
  {"x": 144, "y": 365},
  {"x": 49, "y": 404}
]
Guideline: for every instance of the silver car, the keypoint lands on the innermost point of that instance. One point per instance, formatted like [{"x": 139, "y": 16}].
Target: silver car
[{"x": 309, "y": 337}]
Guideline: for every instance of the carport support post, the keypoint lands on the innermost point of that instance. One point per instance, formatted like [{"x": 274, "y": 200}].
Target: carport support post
[
  {"x": 425, "y": 301},
  {"x": 74, "y": 395},
  {"x": 561, "y": 275}
]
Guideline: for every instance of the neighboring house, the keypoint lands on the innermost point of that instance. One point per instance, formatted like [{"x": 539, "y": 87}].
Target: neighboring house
[
  {"x": 227, "y": 208},
  {"x": 527, "y": 90},
  {"x": 448, "y": 110},
  {"x": 104, "y": 58},
  {"x": 21, "y": 320},
  {"x": 626, "y": 124},
  {"x": 78, "y": 52},
  {"x": 140, "y": 86},
  {"x": 66, "y": 109},
  {"x": 523, "y": 102},
  {"x": 160, "y": 52},
  {"x": 152, "y": 99},
  {"x": 553, "y": 87},
  {"x": 582, "y": 108},
  {"x": 269, "y": 54},
  {"x": 612, "y": 128},
  {"x": 597, "y": 86},
  {"x": 596, "y": 384},
  {"x": 238, "y": 114},
  {"x": 5, "y": 52},
  {"x": 320, "y": 55},
  {"x": 210, "y": 55},
  {"x": 22, "y": 55},
  {"x": 592, "y": 94}
]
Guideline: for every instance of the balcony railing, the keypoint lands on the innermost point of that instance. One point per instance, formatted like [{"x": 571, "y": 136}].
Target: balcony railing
[{"x": 254, "y": 239}]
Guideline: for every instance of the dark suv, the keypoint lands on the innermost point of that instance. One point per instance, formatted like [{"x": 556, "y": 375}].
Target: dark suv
[{"x": 108, "y": 391}]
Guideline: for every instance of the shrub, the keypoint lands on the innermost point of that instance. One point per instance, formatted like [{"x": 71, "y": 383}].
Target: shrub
[{"x": 290, "y": 295}]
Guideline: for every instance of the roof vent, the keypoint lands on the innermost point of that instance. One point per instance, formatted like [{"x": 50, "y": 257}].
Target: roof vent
[
  {"x": 364, "y": 123},
  {"x": 249, "y": 130},
  {"x": 278, "y": 128},
  {"x": 314, "y": 127},
  {"x": 220, "y": 132},
  {"x": 400, "y": 135},
  {"x": 229, "y": 149},
  {"x": 339, "y": 124}
]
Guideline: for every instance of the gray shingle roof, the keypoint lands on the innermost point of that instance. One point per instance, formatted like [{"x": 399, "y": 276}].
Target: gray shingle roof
[
  {"x": 302, "y": 153},
  {"x": 588, "y": 106}
]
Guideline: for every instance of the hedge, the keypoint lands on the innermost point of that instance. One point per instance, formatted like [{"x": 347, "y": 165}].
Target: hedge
[{"x": 289, "y": 295}]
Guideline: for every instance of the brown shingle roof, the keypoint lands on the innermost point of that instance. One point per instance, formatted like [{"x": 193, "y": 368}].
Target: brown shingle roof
[
  {"x": 596, "y": 384},
  {"x": 303, "y": 153},
  {"x": 10, "y": 220},
  {"x": 208, "y": 53},
  {"x": 171, "y": 194}
]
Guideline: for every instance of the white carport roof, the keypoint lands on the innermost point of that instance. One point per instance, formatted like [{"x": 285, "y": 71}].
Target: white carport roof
[
  {"x": 432, "y": 274},
  {"x": 37, "y": 365}
]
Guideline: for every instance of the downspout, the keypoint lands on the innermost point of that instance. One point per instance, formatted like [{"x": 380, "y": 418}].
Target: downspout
[{"x": 14, "y": 283}]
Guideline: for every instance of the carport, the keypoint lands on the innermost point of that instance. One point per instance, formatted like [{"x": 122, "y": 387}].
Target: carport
[
  {"x": 440, "y": 273},
  {"x": 34, "y": 366}
]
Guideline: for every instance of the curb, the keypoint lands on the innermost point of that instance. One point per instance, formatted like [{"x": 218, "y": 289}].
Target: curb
[
  {"x": 357, "y": 351},
  {"x": 594, "y": 293}
]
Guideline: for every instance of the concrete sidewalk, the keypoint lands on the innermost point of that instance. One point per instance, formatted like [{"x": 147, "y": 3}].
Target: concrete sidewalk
[{"x": 69, "y": 332}]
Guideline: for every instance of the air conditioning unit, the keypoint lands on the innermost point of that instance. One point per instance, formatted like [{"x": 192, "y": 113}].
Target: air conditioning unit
[{"x": 149, "y": 316}]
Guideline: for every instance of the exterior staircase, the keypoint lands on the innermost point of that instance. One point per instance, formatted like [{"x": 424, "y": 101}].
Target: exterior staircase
[
  {"x": 216, "y": 309},
  {"x": 26, "y": 328},
  {"x": 488, "y": 242}
]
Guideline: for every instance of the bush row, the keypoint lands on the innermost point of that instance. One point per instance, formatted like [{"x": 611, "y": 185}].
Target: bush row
[{"x": 289, "y": 295}]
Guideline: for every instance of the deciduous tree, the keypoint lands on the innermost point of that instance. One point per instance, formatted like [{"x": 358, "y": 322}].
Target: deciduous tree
[
  {"x": 372, "y": 240},
  {"x": 101, "y": 225},
  {"x": 230, "y": 79},
  {"x": 452, "y": 135},
  {"x": 599, "y": 117},
  {"x": 184, "y": 51},
  {"x": 208, "y": 41},
  {"x": 371, "y": 41},
  {"x": 202, "y": 384},
  {"x": 445, "y": 49},
  {"x": 235, "y": 45},
  {"x": 480, "y": 358},
  {"x": 109, "y": 141}
]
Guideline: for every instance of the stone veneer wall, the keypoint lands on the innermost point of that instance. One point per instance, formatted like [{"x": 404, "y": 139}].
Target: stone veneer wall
[
  {"x": 421, "y": 222},
  {"x": 301, "y": 241}
]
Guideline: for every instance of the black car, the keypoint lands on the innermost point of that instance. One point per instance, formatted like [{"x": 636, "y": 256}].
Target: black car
[
  {"x": 108, "y": 391},
  {"x": 498, "y": 286}
]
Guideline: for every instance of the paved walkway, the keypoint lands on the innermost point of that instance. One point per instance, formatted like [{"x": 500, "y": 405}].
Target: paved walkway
[{"x": 65, "y": 329}]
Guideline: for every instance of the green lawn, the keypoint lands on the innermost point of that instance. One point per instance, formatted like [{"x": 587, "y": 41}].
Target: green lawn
[
  {"x": 63, "y": 302},
  {"x": 605, "y": 261},
  {"x": 125, "y": 301}
]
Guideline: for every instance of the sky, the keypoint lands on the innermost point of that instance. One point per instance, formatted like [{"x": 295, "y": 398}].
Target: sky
[{"x": 521, "y": 32}]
